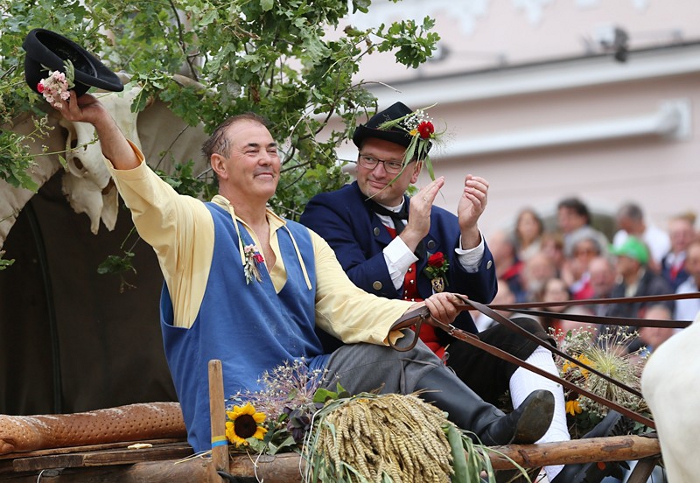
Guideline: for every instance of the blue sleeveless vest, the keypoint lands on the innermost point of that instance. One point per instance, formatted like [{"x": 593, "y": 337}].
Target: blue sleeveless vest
[{"x": 249, "y": 327}]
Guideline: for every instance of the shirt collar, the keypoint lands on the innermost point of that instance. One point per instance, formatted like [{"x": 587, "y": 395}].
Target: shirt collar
[{"x": 275, "y": 221}]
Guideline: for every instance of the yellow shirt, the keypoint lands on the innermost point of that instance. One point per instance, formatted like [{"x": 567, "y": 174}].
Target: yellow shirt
[{"x": 181, "y": 231}]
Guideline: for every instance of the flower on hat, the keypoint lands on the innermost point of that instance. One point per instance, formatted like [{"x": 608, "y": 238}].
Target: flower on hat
[
  {"x": 421, "y": 128},
  {"x": 57, "y": 85},
  {"x": 426, "y": 129}
]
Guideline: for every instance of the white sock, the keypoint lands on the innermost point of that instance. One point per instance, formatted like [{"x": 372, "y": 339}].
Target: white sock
[{"x": 523, "y": 382}]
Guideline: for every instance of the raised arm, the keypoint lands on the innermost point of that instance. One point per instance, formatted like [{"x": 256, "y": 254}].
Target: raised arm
[{"x": 115, "y": 146}]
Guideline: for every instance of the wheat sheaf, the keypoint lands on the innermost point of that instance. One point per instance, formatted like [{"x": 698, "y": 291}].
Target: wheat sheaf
[{"x": 374, "y": 437}]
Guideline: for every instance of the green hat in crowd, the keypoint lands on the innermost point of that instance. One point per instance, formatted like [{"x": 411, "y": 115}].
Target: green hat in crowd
[{"x": 633, "y": 248}]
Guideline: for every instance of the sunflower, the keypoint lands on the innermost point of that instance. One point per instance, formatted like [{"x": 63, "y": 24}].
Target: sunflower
[{"x": 244, "y": 423}]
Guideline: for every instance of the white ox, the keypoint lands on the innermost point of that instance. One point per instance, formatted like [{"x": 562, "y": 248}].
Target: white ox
[
  {"x": 86, "y": 181},
  {"x": 670, "y": 380}
]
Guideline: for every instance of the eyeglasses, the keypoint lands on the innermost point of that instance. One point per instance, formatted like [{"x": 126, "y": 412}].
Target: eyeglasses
[
  {"x": 370, "y": 162},
  {"x": 585, "y": 251}
]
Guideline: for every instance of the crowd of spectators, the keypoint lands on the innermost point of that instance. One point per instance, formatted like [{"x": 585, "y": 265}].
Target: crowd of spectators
[{"x": 574, "y": 260}]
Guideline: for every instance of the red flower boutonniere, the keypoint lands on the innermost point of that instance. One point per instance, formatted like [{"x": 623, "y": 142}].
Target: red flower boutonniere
[
  {"x": 437, "y": 269},
  {"x": 252, "y": 259}
]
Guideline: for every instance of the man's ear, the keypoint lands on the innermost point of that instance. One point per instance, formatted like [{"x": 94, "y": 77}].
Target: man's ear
[
  {"x": 416, "y": 171},
  {"x": 219, "y": 166}
]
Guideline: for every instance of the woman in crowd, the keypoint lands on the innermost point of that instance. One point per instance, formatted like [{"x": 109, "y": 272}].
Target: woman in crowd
[
  {"x": 555, "y": 290},
  {"x": 528, "y": 233}
]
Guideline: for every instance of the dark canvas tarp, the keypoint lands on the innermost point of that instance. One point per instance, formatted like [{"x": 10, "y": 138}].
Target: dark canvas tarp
[{"x": 70, "y": 341}]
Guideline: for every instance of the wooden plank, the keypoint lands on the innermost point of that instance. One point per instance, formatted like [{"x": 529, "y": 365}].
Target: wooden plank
[
  {"x": 643, "y": 469},
  {"x": 195, "y": 470},
  {"x": 103, "y": 458},
  {"x": 91, "y": 447}
]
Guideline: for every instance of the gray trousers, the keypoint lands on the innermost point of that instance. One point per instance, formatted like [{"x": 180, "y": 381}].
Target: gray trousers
[{"x": 369, "y": 367}]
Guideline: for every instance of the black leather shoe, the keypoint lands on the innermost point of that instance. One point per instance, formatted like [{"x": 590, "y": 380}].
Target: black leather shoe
[
  {"x": 614, "y": 424},
  {"x": 526, "y": 424}
]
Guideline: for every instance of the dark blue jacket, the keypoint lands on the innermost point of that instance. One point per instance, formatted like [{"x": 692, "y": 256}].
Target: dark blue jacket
[{"x": 358, "y": 237}]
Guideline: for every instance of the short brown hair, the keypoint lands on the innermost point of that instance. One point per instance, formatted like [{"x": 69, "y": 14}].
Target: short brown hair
[{"x": 218, "y": 143}]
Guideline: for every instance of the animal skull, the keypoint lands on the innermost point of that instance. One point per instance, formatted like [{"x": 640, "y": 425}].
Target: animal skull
[{"x": 87, "y": 183}]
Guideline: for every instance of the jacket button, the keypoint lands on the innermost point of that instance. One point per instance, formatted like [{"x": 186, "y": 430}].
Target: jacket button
[
  {"x": 376, "y": 231},
  {"x": 431, "y": 244},
  {"x": 489, "y": 264},
  {"x": 377, "y": 285}
]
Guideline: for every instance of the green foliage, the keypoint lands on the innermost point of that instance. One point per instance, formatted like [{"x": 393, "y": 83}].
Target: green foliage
[
  {"x": 14, "y": 161},
  {"x": 4, "y": 263},
  {"x": 414, "y": 43},
  {"x": 186, "y": 182},
  {"x": 274, "y": 58},
  {"x": 119, "y": 265}
]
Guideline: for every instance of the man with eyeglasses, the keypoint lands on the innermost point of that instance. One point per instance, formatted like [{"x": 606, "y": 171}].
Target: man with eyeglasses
[{"x": 390, "y": 245}]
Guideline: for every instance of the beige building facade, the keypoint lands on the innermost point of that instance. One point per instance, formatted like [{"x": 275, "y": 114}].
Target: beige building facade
[{"x": 554, "y": 98}]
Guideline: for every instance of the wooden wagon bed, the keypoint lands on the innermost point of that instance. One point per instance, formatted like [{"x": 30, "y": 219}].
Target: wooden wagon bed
[
  {"x": 170, "y": 460},
  {"x": 145, "y": 443}
]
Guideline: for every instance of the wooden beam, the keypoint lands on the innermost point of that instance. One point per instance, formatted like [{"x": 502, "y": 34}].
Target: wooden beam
[
  {"x": 643, "y": 469},
  {"x": 91, "y": 447},
  {"x": 192, "y": 471},
  {"x": 613, "y": 448},
  {"x": 102, "y": 458}
]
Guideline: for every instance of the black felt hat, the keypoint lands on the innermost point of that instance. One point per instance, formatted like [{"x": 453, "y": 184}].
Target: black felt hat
[
  {"x": 47, "y": 50},
  {"x": 395, "y": 135}
]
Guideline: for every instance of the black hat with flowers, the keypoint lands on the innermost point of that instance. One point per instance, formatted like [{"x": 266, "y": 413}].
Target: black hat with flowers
[
  {"x": 47, "y": 50},
  {"x": 376, "y": 127}
]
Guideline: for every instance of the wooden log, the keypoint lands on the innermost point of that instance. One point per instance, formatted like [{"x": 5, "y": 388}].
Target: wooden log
[
  {"x": 286, "y": 467},
  {"x": 282, "y": 468},
  {"x": 613, "y": 448}
]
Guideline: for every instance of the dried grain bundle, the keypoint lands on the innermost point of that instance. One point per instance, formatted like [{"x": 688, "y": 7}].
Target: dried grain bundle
[{"x": 375, "y": 437}]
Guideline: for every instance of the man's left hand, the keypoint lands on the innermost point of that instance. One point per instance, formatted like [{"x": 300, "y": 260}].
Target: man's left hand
[{"x": 444, "y": 306}]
